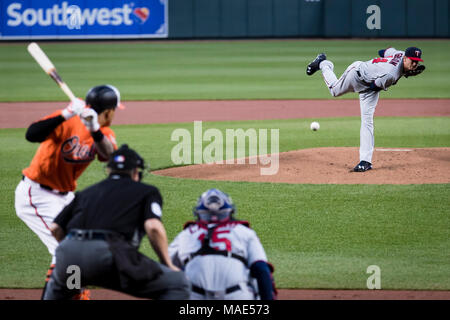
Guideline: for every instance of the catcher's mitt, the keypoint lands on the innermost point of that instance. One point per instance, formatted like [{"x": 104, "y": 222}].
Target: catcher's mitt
[{"x": 415, "y": 72}]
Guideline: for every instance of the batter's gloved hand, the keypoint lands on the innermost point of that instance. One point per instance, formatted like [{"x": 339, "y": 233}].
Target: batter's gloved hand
[
  {"x": 90, "y": 119},
  {"x": 415, "y": 72},
  {"x": 73, "y": 109}
]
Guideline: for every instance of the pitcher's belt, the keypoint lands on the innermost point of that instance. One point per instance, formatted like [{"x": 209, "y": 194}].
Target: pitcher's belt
[{"x": 360, "y": 78}]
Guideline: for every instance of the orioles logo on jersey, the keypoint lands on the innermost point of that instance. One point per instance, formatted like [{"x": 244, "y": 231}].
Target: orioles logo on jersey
[{"x": 73, "y": 151}]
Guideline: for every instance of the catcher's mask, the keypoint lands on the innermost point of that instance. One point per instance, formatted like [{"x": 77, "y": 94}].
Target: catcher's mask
[
  {"x": 126, "y": 159},
  {"x": 214, "y": 206},
  {"x": 103, "y": 97}
]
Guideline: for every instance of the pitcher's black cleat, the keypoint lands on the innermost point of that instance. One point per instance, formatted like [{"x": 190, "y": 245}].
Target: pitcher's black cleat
[
  {"x": 314, "y": 66},
  {"x": 363, "y": 166}
]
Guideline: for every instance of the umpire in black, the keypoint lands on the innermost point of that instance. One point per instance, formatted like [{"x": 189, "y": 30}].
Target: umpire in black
[{"x": 100, "y": 232}]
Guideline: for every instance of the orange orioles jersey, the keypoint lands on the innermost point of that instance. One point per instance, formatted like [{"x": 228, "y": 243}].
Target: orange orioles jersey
[{"x": 63, "y": 156}]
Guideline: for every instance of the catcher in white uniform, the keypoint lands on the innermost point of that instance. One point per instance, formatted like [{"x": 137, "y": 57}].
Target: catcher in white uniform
[
  {"x": 368, "y": 78},
  {"x": 222, "y": 257}
]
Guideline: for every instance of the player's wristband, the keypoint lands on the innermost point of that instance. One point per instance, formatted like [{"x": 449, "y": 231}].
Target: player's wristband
[{"x": 97, "y": 135}]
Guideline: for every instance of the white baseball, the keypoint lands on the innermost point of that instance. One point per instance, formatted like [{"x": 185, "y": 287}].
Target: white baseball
[{"x": 315, "y": 126}]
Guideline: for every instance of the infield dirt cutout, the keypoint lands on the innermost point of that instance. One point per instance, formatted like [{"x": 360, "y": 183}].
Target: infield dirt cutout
[
  {"x": 333, "y": 166},
  {"x": 320, "y": 165}
]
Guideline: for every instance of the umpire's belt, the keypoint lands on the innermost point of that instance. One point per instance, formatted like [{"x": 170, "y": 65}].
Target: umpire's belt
[
  {"x": 202, "y": 291},
  {"x": 80, "y": 234}
]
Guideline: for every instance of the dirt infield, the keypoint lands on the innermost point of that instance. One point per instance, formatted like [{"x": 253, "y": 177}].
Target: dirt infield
[
  {"x": 387, "y": 168},
  {"x": 332, "y": 166},
  {"x": 102, "y": 294},
  {"x": 21, "y": 114}
]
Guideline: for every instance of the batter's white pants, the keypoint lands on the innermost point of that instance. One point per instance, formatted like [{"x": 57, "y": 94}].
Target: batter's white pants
[
  {"x": 350, "y": 82},
  {"x": 38, "y": 207}
]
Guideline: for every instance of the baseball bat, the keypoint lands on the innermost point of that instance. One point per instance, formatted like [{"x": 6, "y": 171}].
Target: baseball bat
[{"x": 45, "y": 63}]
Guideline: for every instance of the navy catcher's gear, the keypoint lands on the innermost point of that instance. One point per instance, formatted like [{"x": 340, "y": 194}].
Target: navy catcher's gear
[
  {"x": 262, "y": 271},
  {"x": 214, "y": 206}
]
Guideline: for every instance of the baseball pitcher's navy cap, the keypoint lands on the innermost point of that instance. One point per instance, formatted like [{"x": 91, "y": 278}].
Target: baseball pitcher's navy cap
[{"x": 414, "y": 53}]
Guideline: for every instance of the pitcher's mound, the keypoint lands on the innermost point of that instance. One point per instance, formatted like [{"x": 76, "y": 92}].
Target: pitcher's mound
[{"x": 332, "y": 166}]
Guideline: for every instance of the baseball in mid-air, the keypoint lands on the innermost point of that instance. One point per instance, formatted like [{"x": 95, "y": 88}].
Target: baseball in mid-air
[{"x": 315, "y": 126}]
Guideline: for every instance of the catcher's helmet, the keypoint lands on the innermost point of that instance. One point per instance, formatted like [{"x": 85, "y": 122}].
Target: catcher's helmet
[
  {"x": 103, "y": 97},
  {"x": 124, "y": 159},
  {"x": 214, "y": 206}
]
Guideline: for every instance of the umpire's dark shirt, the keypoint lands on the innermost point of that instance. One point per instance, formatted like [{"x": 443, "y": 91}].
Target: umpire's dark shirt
[{"x": 117, "y": 203}]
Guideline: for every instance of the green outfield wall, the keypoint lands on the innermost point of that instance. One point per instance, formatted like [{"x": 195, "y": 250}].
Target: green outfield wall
[{"x": 308, "y": 18}]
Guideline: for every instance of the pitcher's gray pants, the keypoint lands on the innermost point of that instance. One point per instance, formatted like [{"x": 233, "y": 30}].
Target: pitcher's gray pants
[
  {"x": 95, "y": 264},
  {"x": 350, "y": 82}
]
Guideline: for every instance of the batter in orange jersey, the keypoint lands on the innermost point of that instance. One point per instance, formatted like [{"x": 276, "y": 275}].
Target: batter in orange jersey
[
  {"x": 70, "y": 139},
  {"x": 65, "y": 154}
]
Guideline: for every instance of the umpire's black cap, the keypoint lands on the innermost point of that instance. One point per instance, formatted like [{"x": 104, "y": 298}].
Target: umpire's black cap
[{"x": 125, "y": 158}]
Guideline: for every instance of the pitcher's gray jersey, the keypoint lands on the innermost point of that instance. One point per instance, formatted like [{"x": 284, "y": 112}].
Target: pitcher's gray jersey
[
  {"x": 216, "y": 272},
  {"x": 385, "y": 71},
  {"x": 360, "y": 77},
  {"x": 368, "y": 78}
]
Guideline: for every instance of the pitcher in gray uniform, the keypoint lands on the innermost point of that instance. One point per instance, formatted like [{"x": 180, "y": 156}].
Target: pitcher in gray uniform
[{"x": 368, "y": 78}]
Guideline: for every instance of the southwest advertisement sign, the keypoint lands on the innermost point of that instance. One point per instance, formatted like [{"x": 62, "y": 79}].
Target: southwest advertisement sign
[{"x": 83, "y": 19}]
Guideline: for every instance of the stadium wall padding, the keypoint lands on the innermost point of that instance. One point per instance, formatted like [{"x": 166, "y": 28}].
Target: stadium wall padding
[{"x": 307, "y": 18}]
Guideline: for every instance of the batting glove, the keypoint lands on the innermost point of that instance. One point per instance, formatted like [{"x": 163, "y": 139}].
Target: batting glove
[
  {"x": 73, "y": 109},
  {"x": 90, "y": 119}
]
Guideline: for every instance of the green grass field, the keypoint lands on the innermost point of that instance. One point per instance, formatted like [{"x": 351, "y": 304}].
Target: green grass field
[
  {"x": 317, "y": 236},
  {"x": 208, "y": 70}
]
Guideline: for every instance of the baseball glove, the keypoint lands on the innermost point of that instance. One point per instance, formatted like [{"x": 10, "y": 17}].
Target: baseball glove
[{"x": 415, "y": 72}]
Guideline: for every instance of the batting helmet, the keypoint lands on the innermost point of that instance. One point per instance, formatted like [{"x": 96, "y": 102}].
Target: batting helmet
[
  {"x": 103, "y": 97},
  {"x": 214, "y": 206}
]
